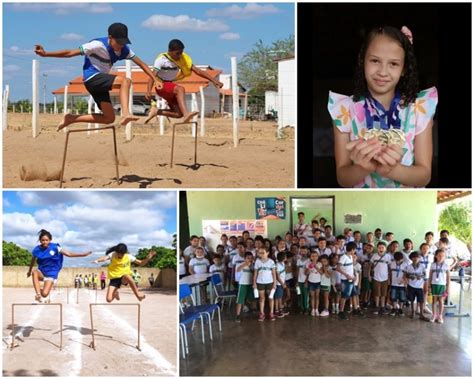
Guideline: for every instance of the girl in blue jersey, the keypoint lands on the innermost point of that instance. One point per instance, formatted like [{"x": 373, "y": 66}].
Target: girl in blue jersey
[
  {"x": 99, "y": 56},
  {"x": 50, "y": 258}
]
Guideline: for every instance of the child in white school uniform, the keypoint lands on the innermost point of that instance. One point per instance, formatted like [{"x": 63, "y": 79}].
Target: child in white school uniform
[
  {"x": 264, "y": 280},
  {"x": 325, "y": 283},
  {"x": 397, "y": 284},
  {"x": 281, "y": 285},
  {"x": 345, "y": 267},
  {"x": 380, "y": 265},
  {"x": 415, "y": 274},
  {"x": 313, "y": 280},
  {"x": 426, "y": 259},
  {"x": 335, "y": 283},
  {"x": 218, "y": 267},
  {"x": 303, "y": 296},
  {"x": 356, "y": 310},
  {"x": 439, "y": 279},
  {"x": 244, "y": 273}
]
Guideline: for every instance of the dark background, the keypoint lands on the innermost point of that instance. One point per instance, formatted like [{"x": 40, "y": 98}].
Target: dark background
[{"x": 329, "y": 39}]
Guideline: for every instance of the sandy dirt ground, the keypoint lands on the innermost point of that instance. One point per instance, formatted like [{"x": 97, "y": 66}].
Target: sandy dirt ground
[
  {"x": 115, "y": 329},
  {"x": 261, "y": 160}
]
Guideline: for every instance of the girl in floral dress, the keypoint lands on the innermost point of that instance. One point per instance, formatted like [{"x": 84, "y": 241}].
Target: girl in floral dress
[{"x": 383, "y": 133}]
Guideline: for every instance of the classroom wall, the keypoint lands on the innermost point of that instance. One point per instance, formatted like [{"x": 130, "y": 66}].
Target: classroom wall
[
  {"x": 15, "y": 276},
  {"x": 408, "y": 214}
]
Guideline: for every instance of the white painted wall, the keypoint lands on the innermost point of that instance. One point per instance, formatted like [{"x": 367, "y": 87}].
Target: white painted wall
[
  {"x": 287, "y": 85},
  {"x": 271, "y": 101}
]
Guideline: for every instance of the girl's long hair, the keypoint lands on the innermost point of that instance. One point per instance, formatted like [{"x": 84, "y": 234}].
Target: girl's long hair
[
  {"x": 44, "y": 232},
  {"x": 120, "y": 248},
  {"x": 408, "y": 85}
]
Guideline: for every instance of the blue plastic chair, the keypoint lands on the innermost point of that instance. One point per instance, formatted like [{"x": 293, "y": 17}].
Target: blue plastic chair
[
  {"x": 187, "y": 317},
  {"x": 220, "y": 292}
]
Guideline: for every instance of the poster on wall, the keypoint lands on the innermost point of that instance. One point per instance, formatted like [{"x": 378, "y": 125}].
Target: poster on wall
[
  {"x": 270, "y": 208},
  {"x": 213, "y": 229}
]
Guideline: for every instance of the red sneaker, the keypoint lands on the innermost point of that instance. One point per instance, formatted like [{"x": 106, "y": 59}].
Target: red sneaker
[{"x": 261, "y": 317}]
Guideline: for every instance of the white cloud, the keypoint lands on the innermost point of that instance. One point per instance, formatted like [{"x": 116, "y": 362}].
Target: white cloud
[
  {"x": 62, "y": 9},
  {"x": 243, "y": 12},
  {"x": 11, "y": 68},
  {"x": 229, "y": 36},
  {"x": 93, "y": 220},
  {"x": 184, "y": 23},
  {"x": 72, "y": 36},
  {"x": 16, "y": 51}
]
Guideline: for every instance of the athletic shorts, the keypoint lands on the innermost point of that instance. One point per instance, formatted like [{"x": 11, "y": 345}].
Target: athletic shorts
[
  {"x": 438, "y": 289},
  {"x": 325, "y": 288},
  {"x": 415, "y": 293},
  {"x": 380, "y": 288},
  {"x": 167, "y": 93},
  {"x": 278, "y": 292},
  {"x": 347, "y": 289},
  {"x": 49, "y": 276},
  {"x": 99, "y": 86},
  {"x": 116, "y": 282},
  {"x": 264, "y": 286},
  {"x": 244, "y": 293},
  {"x": 366, "y": 285},
  {"x": 314, "y": 286},
  {"x": 356, "y": 291},
  {"x": 398, "y": 293}
]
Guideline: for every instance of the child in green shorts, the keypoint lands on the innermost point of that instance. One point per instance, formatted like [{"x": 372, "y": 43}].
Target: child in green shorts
[
  {"x": 245, "y": 292},
  {"x": 439, "y": 284}
]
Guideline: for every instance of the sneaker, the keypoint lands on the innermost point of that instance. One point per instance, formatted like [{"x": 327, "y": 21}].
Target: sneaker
[
  {"x": 376, "y": 312},
  {"x": 246, "y": 309},
  {"x": 400, "y": 312},
  {"x": 284, "y": 312},
  {"x": 388, "y": 306},
  {"x": 237, "y": 318},
  {"x": 434, "y": 317},
  {"x": 324, "y": 313},
  {"x": 365, "y": 305},
  {"x": 383, "y": 311},
  {"x": 424, "y": 318},
  {"x": 279, "y": 314},
  {"x": 316, "y": 313},
  {"x": 342, "y": 316},
  {"x": 261, "y": 317},
  {"x": 427, "y": 310},
  {"x": 272, "y": 317},
  {"x": 393, "y": 312},
  {"x": 333, "y": 311},
  {"x": 313, "y": 313},
  {"x": 440, "y": 320}
]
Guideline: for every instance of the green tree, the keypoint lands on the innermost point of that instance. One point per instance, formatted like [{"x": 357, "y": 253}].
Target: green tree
[
  {"x": 258, "y": 69},
  {"x": 164, "y": 258},
  {"x": 14, "y": 255},
  {"x": 25, "y": 104},
  {"x": 81, "y": 105},
  {"x": 456, "y": 218}
]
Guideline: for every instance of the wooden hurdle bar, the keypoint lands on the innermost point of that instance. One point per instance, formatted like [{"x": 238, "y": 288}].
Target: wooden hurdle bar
[
  {"x": 88, "y": 130},
  {"x": 92, "y": 344},
  {"x": 12, "y": 346}
]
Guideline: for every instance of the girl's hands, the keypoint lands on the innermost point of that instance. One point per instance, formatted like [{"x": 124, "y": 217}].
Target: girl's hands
[
  {"x": 363, "y": 152},
  {"x": 389, "y": 157},
  {"x": 28, "y": 274},
  {"x": 151, "y": 254},
  {"x": 40, "y": 51}
]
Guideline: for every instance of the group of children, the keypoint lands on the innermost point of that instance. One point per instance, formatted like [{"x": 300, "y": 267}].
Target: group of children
[
  {"x": 50, "y": 256},
  {"x": 87, "y": 281},
  {"x": 99, "y": 56},
  {"x": 328, "y": 274}
]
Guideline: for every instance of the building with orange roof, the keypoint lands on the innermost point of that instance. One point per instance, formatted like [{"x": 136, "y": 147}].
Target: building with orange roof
[{"x": 215, "y": 100}]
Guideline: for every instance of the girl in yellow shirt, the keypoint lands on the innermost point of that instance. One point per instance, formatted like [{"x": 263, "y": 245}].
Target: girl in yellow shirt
[{"x": 119, "y": 270}]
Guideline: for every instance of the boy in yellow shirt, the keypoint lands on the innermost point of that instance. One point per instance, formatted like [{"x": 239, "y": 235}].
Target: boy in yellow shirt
[{"x": 119, "y": 270}]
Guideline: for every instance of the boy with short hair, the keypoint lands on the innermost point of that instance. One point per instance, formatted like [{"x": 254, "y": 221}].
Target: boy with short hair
[
  {"x": 407, "y": 249},
  {"x": 281, "y": 285},
  {"x": 397, "y": 284},
  {"x": 345, "y": 267},
  {"x": 415, "y": 274},
  {"x": 380, "y": 266},
  {"x": 218, "y": 267},
  {"x": 170, "y": 67},
  {"x": 245, "y": 291},
  {"x": 322, "y": 249},
  {"x": 99, "y": 56},
  {"x": 366, "y": 268},
  {"x": 359, "y": 244},
  {"x": 340, "y": 248},
  {"x": 303, "y": 296},
  {"x": 328, "y": 234},
  {"x": 190, "y": 251}
]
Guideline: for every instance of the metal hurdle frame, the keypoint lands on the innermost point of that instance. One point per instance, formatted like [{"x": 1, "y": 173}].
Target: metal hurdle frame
[
  {"x": 88, "y": 130},
  {"x": 195, "y": 125},
  {"x": 92, "y": 344},
  {"x": 12, "y": 346}
]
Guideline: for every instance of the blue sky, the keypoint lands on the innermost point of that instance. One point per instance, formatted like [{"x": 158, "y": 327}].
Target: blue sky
[
  {"x": 90, "y": 220},
  {"x": 211, "y": 32}
]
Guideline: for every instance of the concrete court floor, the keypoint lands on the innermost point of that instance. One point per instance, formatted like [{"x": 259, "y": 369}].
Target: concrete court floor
[{"x": 312, "y": 346}]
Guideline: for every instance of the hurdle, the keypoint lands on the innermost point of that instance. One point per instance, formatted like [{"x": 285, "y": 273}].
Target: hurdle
[
  {"x": 87, "y": 130},
  {"x": 92, "y": 344},
  {"x": 35, "y": 304},
  {"x": 194, "y": 125}
]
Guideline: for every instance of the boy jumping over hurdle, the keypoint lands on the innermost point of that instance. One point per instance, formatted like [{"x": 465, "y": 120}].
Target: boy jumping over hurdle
[
  {"x": 99, "y": 56},
  {"x": 169, "y": 67}
]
